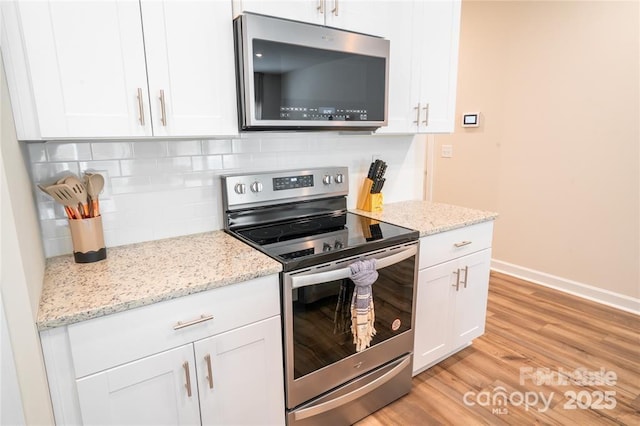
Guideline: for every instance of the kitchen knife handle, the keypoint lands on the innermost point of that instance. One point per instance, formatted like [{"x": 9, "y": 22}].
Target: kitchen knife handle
[{"x": 140, "y": 107}]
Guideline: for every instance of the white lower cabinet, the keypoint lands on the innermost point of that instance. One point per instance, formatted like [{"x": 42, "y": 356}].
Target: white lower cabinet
[
  {"x": 211, "y": 358},
  {"x": 148, "y": 391},
  {"x": 451, "y": 297},
  {"x": 213, "y": 378}
]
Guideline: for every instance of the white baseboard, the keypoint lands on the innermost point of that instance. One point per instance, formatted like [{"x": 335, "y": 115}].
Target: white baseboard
[{"x": 595, "y": 294}]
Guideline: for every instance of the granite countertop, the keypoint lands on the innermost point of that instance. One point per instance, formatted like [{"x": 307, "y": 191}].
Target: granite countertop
[
  {"x": 428, "y": 217},
  {"x": 145, "y": 273}
]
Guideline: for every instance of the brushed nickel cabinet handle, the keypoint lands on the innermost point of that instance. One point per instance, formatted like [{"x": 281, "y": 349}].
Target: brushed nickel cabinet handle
[
  {"x": 202, "y": 318},
  {"x": 462, "y": 244},
  {"x": 335, "y": 9},
  {"x": 163, "y": 117},
  {"x": 457, "y": 284},
  {"x": 417, "y": 121},
  {"x": 140, "y": 107},
  {"x": 207, "y": 358},
  {"x": 188, "y": 377},
  {"x": 320, "y": 7},
  {"x": 466, "y": 276},
  {"x": 426, "y": 115}
]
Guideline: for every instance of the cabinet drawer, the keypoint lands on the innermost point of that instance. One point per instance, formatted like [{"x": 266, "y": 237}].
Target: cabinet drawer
[
  {"x": 449, "y": 245},
  {"x": 111, "y": 340}
]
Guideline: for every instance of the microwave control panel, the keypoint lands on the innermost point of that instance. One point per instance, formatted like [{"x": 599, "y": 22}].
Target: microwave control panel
[{"x": 322, "y": 113}]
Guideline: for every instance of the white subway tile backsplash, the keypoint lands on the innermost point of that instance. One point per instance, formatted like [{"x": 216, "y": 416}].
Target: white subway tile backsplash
[
  {"x": 111, "y": 150},
  {"x": 144, "y": 167},
  {"x": 68, "y": 151},
  {"x": 175, "y": 165},
  {"x": 206, "y": 162},
  {"x": 49, "y": 172},
  {"x": 180, "y": 148},
  {"x": 153, "y": 149},
  {"x": 160, "y": 189},
  {"x": 112, "y": 167},
  {"x": 165, "y": 181},
  {"x": 200, "y": 179},
  {"x": 241, "y": 146},
  {"x": 215, "y": 146},
  {"x": 36, "y": 152},
  {"x": 130, "y": 184}
]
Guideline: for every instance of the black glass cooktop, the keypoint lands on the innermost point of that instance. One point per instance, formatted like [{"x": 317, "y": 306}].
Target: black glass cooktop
[{"x": 323, "y": 238}]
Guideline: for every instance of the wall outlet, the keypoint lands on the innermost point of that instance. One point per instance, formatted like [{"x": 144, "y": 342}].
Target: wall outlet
[{"x": 446, "y": 151}]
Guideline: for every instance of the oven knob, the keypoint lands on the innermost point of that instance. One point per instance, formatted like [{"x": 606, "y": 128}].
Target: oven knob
[
  {"x": 256, "y": 186},
  {"x": 338, "y": 245},
  {"x": 339, "y": 178},
  {"x": 240, "y": 188},
  {"x": 327, "y": 179},
  {"x": 326, "y": 247}
]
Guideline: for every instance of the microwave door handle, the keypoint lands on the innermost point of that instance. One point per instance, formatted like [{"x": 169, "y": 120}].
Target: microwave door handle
[{"x": 339, "y": 274}]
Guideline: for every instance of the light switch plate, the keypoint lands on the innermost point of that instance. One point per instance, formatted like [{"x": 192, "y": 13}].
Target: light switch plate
[{"x": 446, "y": 151}]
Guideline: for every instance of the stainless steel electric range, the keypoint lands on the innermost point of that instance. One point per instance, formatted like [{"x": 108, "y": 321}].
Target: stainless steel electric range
[{"x": 300, "y": 218}]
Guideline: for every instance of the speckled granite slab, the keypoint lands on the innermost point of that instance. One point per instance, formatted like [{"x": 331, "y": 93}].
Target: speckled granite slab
[
  {"x": 429, "y": 218},
  {"x": 145, "y": 273}
]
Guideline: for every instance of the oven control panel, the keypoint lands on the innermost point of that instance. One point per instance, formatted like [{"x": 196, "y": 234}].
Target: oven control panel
[{"x": 266, "y": 188}]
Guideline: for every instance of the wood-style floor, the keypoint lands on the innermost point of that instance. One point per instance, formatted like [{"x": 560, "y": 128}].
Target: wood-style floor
[{"x": 532, "y": 334}]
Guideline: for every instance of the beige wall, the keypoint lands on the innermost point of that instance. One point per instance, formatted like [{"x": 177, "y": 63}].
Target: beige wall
[
  {"x": 557, "y": 154},
  {"x": 21, "y": 269}
]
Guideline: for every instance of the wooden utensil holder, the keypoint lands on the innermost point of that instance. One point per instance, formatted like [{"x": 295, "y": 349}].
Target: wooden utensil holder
[
  {"x": 88, "y": 239},
  {"x": 368, "y": 201}
]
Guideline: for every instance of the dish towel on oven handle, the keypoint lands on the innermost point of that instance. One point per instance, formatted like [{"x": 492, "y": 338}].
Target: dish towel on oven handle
[{"x": 363, "y": 275}]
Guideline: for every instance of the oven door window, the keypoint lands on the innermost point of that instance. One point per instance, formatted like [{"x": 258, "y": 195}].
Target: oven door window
[
  {"x": 301, "y": 83},
  {"x": 322, "y": 316}
]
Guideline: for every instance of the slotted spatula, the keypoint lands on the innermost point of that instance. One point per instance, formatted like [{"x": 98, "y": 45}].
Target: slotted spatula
[
  {"x": 80, "y": 191},
  {"x": 64, "y": 194}
]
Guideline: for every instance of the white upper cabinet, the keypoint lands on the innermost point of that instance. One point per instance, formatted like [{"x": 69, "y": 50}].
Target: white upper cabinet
[
  {"x": 190, "y": 65},
  {"x": 89, "y": 75},
  {"x": 423, "y": 73}
]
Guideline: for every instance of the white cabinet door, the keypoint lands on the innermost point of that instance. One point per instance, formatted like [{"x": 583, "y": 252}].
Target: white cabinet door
[
  {"x": 471, "y": 299},
  {"x": 190, "y": 62},
  {"x": 433, "y": 314},
  {"x": 241, "y": 376},
  {"x": 87, "y": 67},
  {"x": 437, "y": 30},
  {"x": 153, "y": 390},
  {"x": 312, "y": 11},
  {"x": 451, "y": 306}
]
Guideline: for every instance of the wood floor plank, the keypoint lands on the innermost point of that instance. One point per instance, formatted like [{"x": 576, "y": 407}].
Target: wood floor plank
[{"x": 533, "y": 333}]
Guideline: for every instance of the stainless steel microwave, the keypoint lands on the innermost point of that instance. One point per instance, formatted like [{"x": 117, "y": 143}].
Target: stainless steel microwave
[{"x": 299, "y": 76}]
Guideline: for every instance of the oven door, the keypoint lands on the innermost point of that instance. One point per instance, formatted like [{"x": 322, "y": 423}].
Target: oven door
[{"x": 319, "y": 349}]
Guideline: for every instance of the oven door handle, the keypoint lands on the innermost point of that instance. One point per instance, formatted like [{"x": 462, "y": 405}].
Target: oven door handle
[
  {"x": 353, "y": 395},
  {"x": 339, "y": 274}
]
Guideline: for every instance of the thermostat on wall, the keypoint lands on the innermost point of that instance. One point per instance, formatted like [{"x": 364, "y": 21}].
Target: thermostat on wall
[{"x": 471, "y": 119}]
